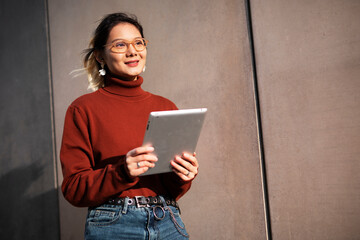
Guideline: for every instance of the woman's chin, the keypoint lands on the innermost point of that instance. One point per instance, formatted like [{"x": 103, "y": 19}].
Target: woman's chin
[{"x": 127, "y": 77}]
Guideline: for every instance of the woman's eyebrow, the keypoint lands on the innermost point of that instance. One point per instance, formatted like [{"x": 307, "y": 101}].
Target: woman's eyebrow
[{"x": 116, "y": 39}]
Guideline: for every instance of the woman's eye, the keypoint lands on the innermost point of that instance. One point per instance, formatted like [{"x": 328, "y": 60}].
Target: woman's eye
[
  {"x": 139, "y": 42},
  {"x": 120, "y": 44}
]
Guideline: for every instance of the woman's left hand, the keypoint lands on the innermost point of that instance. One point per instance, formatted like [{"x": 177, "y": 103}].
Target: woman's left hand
[{"x": 186, "y": 166}]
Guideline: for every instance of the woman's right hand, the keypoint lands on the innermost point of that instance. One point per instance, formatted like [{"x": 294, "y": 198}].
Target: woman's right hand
[{"x": 139, "y": 160}]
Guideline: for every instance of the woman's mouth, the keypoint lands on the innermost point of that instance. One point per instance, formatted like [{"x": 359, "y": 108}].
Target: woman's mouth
[{"x": 132, "y": 63}]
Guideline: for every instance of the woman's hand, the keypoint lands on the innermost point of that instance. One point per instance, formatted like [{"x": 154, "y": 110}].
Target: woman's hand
[
  {"x": 186, "y": 166},
  {"x": 139, "y": 160}
]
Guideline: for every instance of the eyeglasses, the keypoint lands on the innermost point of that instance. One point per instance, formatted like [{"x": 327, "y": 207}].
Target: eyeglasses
[{"x": 121, "y": 46}]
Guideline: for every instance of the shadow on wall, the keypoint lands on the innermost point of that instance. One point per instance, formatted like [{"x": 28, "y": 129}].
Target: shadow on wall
[{"x": 23, "y": 216}]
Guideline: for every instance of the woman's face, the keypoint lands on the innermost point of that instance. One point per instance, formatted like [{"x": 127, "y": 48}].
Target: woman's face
[{"x": 126, "y": 65}]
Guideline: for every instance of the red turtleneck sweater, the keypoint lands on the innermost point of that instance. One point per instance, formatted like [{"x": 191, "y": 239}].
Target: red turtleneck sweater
[{"x": 100, "y": 128}]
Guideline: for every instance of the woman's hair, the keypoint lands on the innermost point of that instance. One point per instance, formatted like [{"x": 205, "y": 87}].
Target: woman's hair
[{"x": 98, "y": 41}]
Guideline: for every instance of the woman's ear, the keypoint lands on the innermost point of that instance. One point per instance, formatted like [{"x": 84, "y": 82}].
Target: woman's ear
[{"x": 99, "y": 58}]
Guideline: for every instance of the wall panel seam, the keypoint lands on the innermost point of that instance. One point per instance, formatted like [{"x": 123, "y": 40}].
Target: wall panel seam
[
  {"x": 258, "y": 122},
  {"x": 51, "y": 91},
  {"x": 51, "y": 98}
]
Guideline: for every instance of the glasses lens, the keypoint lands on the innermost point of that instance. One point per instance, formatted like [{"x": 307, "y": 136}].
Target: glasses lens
[
  {"x": 119, "y": 46},
  {"x": 139, "y": 44}
]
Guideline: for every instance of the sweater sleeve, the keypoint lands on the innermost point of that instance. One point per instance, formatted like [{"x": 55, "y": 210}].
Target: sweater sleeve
[
  {"x": 83, "y": 184},
  {"x": 175, "y": 185}
]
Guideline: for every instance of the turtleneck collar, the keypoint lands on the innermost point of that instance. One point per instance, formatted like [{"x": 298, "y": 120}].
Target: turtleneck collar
[{"x": 120, "y": 87}]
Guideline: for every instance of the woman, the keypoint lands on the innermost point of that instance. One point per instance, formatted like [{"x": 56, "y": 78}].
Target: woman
[{"x": 101, "y": 153}]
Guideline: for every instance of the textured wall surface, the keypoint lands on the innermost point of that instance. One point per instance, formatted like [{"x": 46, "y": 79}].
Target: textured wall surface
[
  {"x": 198, "y": 56},
  {"x": 28, "y": 201},
  {"x": 308, "y": 65},
  {"x": 308, "y": 68}
]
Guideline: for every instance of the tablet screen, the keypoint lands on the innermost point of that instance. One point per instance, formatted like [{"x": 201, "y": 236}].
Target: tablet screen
[{"x": 171, "y": 133}]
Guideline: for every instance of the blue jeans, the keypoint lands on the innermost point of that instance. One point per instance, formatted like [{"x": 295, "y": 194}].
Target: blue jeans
[{"x": 130, "y": 222}]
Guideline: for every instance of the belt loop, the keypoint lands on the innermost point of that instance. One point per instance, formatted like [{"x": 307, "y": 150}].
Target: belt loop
[
  {"x": 163, "y": 201},
  {"x": 125, "y": 206}
]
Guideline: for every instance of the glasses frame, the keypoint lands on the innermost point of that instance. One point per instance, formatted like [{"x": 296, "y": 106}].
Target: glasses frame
[{"x": 112, "y": 44}]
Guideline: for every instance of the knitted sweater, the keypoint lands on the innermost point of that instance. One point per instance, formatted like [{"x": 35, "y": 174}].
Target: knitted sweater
[{"x": 99, "y": 129}]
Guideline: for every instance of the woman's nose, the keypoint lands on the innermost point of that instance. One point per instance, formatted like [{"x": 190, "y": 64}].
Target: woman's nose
[{"x": 131, "y": 51}]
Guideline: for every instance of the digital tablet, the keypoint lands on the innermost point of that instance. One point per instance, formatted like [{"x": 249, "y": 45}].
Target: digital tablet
[{"x": 171, "y": 133}]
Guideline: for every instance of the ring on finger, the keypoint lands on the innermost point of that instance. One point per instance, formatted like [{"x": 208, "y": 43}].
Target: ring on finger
[
  {"x": 187, "y": 174},
  {"x": 138, "y": 164}
]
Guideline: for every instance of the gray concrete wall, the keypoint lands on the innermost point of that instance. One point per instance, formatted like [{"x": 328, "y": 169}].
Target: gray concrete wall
[
  {"x": 198, "y": 56},
  {"x": 307, "y": 62},
  {"x": 308, "y": 65},
  {"x": 29, "y": 201}
]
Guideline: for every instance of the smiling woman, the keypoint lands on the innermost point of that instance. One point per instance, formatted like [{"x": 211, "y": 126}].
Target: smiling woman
[
  {"x": 102, "y": 155},
  {"x": 105, "y": 52},
  {"x": 128, "y": 63}
]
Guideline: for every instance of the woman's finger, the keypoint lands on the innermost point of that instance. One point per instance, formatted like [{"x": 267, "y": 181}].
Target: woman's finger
[
  {"x": 143, "y": 164},
  {"x": 184, "y": 174},
  {"x": 183, "y": 166},
  {"x": 145, "y": 157},
  {"x": 191, "y": 158},
  {"x": 139, "y": 160},
  {"x": 190, "y": 163},
  {"x": 140, "y": 150}
]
